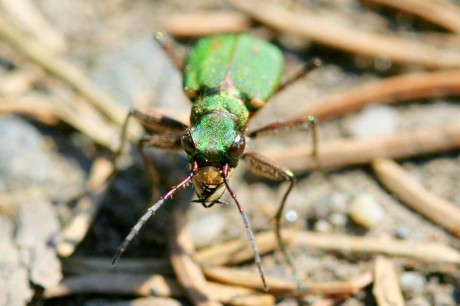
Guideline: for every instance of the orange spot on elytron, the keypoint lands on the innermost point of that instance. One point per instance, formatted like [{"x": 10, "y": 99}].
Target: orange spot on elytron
[
  {"x": 255, "y": 49},
  {"x": 216, "y": 44}
]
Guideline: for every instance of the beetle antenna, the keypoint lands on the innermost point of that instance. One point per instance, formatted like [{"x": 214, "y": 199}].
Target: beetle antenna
[
  {"x": 150, "y": 212},
  {"x": 257, "y": 259}
]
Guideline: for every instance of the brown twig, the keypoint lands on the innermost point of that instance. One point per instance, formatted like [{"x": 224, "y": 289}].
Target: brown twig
[
  {"x": 428, "y": 252},
  {"x": 40, "y": 111},
  {"x": 147, "y": 301},
  {"x": 386, "y": 284},
  {"x": 196, "y": 24},
  {"x": 341, "y": 153},
  {"x": 88, "y": 265},
  {"x": 87, "y": 120},
  {"x": 86, "y": 208},
  {"x": 281, "y": 287},
  {"x": 223, "y": 275},
  {"x": 319, "y": 28},
  {"x": 327, "y": 302},
  {"x": 30, "y": 18},
  {"x": 423, "y": 85},
  {"x": 16, "y": 83},
  {"x": 236, "y": 251},
  {"x": 60, "y": 107},
  {"x": 234, "y": 295},
  {"x": 116, "y": 283},
  {"x": 416, "y": 196},
  {"x": 188, "y": 272},
  {"x": 79, "y": 115},
  {"x": 63, "y": 70},
  {"x": 146, "y": 285},
  {"x": 441, "y": 13}
]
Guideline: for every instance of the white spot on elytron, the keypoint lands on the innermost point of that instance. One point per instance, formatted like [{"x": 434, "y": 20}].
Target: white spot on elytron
[{"x": 291, "y": 216}]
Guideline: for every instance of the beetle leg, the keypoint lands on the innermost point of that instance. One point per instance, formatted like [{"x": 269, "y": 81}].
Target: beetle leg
[
  {"x": 167, "y": 45},
  {"x": 309, "y": 120},
  {"x": 152, "y": 121},
  {"x": 159, "y": 141},
  {"x": 157, "y": 122},
  {"x": 265, "y": 167},
  {"x": 308, "y": 67},
  {"x": 168, "y": 134},
  {"x": 162, "y": 141}
]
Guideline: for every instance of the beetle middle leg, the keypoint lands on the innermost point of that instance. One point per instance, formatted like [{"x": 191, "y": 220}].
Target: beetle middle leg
[
  {"x": 265, "y": 167},
  {"x": 166, "y": 134},
  {"x": 153, "y": 122},
  {"x": 309, "y": 120},
  {"x": 158, "y": 141}
]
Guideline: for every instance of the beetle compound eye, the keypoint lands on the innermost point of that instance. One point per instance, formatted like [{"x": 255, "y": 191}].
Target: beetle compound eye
[
  {"x": 237, "y": 147},
  {"x": 187, "y": 143}
]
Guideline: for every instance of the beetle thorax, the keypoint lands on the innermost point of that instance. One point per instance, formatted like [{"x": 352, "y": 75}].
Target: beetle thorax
[{"x": 222, "y": 102}]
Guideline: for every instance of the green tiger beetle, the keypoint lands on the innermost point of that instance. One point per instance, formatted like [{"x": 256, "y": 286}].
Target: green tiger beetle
[{"x": 228, "y": 78}]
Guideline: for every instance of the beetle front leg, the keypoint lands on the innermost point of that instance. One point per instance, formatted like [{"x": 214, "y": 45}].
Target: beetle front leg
[{"x": 265, "y": 167}]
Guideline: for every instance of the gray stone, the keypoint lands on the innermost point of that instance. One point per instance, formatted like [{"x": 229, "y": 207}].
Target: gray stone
[{"x": 374, "y": 120}]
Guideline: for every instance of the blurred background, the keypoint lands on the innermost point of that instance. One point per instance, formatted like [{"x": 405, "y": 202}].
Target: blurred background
[{"x": 376, "y": 221}]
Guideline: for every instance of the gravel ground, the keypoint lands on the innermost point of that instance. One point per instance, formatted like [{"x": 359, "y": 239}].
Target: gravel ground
[{"x": 112, "y": 40}]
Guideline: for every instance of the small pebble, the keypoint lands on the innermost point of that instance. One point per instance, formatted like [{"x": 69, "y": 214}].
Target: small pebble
[
  {"x": 382, "y": 63},
  {"x": 366, "y": 211},
  {"x": 412, "y": 283},
  {"x": 338, "y": 219},
  {"x": 374, "y": 120},
  {"x": 443, "y": 298},
  {"x": 339, "y": 202},
  {"x": 291, "y": 216},
  {"x": 402, "y": 232},
  {"x": 322, "y": 226}
]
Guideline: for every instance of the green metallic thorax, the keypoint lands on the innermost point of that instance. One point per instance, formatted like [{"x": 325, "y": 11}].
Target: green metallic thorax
[
  {"x": 228, "y": 77},
  {"x": 222, "y": 102}
]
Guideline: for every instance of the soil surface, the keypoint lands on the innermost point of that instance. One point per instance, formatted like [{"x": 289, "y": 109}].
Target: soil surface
[{"x": 44, "y": 167}]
